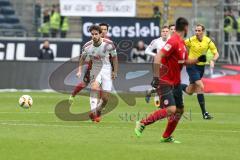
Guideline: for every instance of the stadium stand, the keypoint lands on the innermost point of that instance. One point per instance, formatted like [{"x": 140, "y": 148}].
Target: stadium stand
[
  {"x": 145, "y": 7},
  {"x": 9, "y": 22}
]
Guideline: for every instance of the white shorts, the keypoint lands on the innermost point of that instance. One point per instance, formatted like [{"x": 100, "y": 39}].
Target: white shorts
[{"x": 103, "y": 77}]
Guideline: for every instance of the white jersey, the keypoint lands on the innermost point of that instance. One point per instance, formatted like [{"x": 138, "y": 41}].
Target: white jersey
[
  {"x": 100, "y": 55},
  {"x": 155, "y": 44}
]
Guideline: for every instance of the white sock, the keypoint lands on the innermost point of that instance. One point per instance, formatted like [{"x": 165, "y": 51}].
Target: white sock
[
  {"x": 93, "y": 100},
  {"x": 100, "y": 102},
  {"x": 156, "y": 100}
]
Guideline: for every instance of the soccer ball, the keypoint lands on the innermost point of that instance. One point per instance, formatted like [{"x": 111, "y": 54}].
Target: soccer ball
[{"x": 25, "y": 101}]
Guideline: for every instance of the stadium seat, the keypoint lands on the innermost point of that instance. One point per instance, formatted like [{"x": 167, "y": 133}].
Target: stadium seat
[
  {"x": 4, "y": 3},
  {"x": 17, "y": 26},
  {"x": 9, "y": 33},
  {"x": 12, "y": 19},
  {"x": 7, "y": 10},
  {"x": 2, "y": 19},
  {"x": 6, "y": 26}
]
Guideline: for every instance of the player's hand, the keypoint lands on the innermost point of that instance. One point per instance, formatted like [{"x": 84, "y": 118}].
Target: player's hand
[
  {"x": 202, "y": 58},
  {"x": 78, "y": 74},
  {"x": 114, "y": 75},
  {"x": 212, "y": 64},
  {"x": 155, "y": 82}
]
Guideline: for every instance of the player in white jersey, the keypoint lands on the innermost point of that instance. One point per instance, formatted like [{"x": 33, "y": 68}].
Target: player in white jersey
[
  {"x": 155, "y": 46},
  {"x": 98, "y": 51}
]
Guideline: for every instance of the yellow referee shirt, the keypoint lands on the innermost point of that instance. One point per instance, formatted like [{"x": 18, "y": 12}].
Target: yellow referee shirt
[{"x": 197, "y": 48}]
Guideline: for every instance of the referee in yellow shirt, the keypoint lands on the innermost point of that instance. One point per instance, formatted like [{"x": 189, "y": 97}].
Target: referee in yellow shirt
[{"x": 198, "y": 45}]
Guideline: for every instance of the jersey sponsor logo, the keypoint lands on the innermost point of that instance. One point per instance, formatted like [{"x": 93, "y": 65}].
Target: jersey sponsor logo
[
  {"x": 166, "y": 102},
  {"x": 129, "y": 30},
  {"x": 97, "y": 57},
  {"x": 167, "y": 47}
]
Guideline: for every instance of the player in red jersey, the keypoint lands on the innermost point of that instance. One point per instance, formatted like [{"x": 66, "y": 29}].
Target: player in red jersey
[{"x": 168, "y": 64}]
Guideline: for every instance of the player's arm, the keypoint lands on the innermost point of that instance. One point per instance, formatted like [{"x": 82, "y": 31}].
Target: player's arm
[
  {"x": 157, "y": 63},
  {"x": 165, "y": 51},
  {"x": 113, "y": 53},
  {"x": 115, "y": 67},
  {"x": 81, "y": 63},
  {"x": 188, "y": 43},
  {"x": 215, "y": 53},
  {"x": 150, "y": 48},
  {"x": 201, "y": 58}
]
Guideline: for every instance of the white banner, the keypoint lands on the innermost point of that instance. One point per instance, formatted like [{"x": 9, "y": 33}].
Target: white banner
[{"x": 98, "y": 8}]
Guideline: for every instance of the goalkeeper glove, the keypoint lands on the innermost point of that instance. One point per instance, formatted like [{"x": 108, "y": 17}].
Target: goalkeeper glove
[{"x": 155, "y": 82}]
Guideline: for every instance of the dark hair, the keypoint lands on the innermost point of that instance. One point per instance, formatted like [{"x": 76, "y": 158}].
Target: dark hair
[
  {"x": 171, "y": 25},
  {"x": 181, "y": 23},
  {"x": 164, "y": 27},
  {"x": 201, "y": 25},
  {"x": 95, "y": 27},
  {"x": 104, "y": 24},
  {"x": 155, "y": 8}
]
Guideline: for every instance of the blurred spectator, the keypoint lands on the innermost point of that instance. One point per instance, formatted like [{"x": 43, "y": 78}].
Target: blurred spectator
[
  {"x": 45, "y": 27},
  {"x": 38, "y": 10},
  {"x": 230, "y": 24},
  {"x": 171, "y": 29},
  {"x": 157, "y": 13},
  {"x": 55, "y": 20},
  {"x": 64, "y": 25},
  {"x": 45, "y": 53},
  {"x": 138, "y": 53}
]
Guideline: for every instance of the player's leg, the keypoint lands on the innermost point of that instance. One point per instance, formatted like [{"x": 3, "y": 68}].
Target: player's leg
[
  {"x": 95, "y": 88},
  {"x": 76, "y": 90},
  {"x": 106, "y": 89},
  {"x": 200, "y": 94},
  {"x": 174, "y": 118},
  {"x": 189, "y": 89},
  {"x": 80, "y": 86},
  {"x": 194, "y": 75},
  {"x": 101, "y": 105},
  {"x": 149, "y": 93},
  {"x": 166, "y": 100},
  {"x": 100, "y": 101}
]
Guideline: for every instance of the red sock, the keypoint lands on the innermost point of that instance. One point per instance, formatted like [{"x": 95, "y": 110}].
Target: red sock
[
  {"x": 171, "y": 126},
  {"x": 78, "y": 88},
  {"x": 100, "y": 93},
  {"x": 155, "y": 116}
]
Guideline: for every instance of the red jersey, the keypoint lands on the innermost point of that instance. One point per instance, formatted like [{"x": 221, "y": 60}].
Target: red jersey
[{"x": 174, "y": 51}]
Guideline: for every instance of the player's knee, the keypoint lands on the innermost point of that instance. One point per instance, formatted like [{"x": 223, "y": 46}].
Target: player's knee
[
  {"x": 200, "y": 85},
  {"x": 171, "y": 109},
  {"x": 95, "y": 87},
  {"x": 199, "y": 89},
  {"x": 180, "y": 110},
  {"x": 190, "y": 90}
]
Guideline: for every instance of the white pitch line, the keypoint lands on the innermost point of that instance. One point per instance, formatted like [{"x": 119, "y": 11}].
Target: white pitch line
[
  {"x": 27, "y": 112},
  {"x": 109, "y": 127}
]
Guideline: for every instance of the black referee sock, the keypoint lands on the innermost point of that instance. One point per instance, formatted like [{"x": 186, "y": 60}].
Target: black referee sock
[
  {"x": 201, "y": 102},
  {"x": 184, "y": 86}
]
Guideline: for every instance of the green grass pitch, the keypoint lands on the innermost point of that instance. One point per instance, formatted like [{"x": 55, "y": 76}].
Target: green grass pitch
[{"x": 38, "y": 134}]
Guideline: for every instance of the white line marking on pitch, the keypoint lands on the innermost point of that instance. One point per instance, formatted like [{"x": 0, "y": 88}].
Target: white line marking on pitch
[{"x": 98, "y": 126}]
